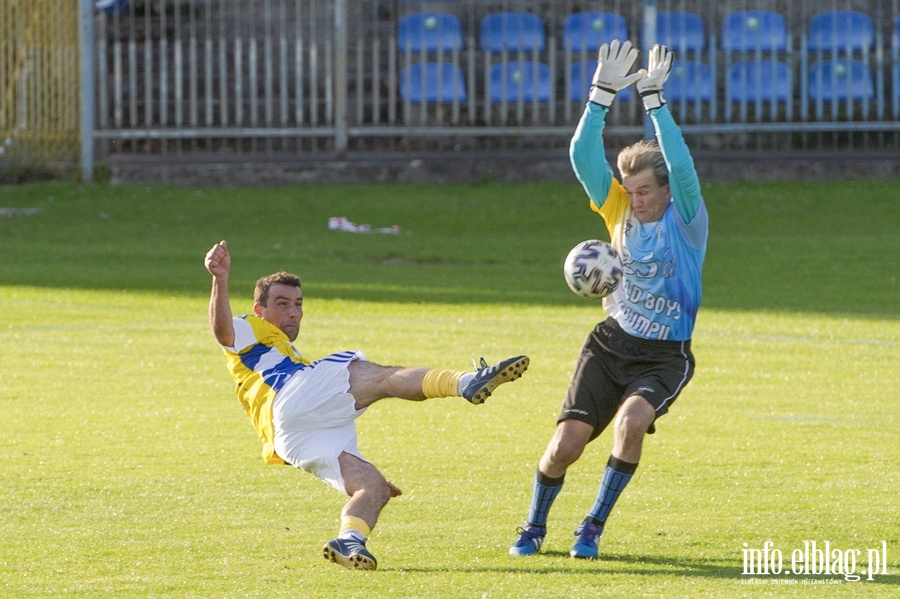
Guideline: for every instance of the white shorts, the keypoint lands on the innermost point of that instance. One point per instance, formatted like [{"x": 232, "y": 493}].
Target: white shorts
[{"x": 314, "y": 417}]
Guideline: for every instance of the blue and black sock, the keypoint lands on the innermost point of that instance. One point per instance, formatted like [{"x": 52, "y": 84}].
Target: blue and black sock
[
  {"x": 615, "y": 478},
  {"x": 545, "y": 491}
]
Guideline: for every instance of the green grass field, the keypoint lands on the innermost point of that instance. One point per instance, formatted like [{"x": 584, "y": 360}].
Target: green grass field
[{"x": 129, "y": 469}]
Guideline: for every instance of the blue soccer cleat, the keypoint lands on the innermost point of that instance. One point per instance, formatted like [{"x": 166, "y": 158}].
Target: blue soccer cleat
[
  {"x": 489, "y": 378},
  {"x": 349, "y": 553},
  {"x": 587, "y": 541},
  {"x": 529, "y": 542}
]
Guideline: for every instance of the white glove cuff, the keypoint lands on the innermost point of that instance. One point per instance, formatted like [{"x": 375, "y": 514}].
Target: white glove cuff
[
  {"x": 601, "y": 96},
  {"x": 652, "y": 100}
]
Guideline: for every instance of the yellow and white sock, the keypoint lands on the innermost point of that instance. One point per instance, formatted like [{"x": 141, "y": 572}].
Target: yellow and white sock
[
  {"x": 464, "y": 380},
  {"x": 441, "y": 383},
  {"x": 354, "y": 528}
]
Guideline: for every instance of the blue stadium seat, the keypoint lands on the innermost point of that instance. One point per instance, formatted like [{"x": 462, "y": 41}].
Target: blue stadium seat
[
  {"x": 112, "y": 6},
  {"x": 432, "y": 82},
  {"x": 680, "y": 31},
  {"x": 895, "y": 38},
  {"x": 512, "y": 31},
  {"x": 759, "y": 80},
  {"x": 834, "y": 80},
  {"x": 690, "y": 81},
  {"x": 581, "y": 73},
  {"x": 841, "y": 30},
  {"x": 589, "y": 30},
  {"x": 518, "y": 77},
  {"x": 429, "y": 32},
  {"x": 751, "y": 30},
  {"x": 897, "y": 83}
]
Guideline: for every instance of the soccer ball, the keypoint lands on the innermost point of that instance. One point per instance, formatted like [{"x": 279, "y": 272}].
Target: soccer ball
[{"x": 593, "y": 269}]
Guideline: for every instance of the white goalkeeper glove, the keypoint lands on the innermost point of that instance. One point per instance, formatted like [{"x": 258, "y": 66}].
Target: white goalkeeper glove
[
  {"x": 659, "y": 65},
  {"x": 613, "y": 64}
]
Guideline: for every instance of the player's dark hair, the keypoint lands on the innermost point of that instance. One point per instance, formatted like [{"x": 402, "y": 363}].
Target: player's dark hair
[
  {"x": 261, "y": 292},
  {"x": 641, "y": 156}
]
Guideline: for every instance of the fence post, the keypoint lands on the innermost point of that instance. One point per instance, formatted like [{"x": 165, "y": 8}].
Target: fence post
[
  {"x": 340, "y": 76},
  {"x": 87, "y": 90},
  {"x": 646, "y": 43}
]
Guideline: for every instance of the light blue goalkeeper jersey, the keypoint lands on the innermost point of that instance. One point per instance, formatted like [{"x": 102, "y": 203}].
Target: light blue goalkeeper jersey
[{"x": 663, "y": 260}]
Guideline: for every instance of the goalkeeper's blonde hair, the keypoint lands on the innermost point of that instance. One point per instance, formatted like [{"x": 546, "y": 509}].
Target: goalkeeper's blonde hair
[{"x": 643, "y": 155}]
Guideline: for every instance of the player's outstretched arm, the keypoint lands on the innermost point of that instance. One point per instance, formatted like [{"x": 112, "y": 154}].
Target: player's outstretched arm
[
  {"x": 586, "y": 150},
  {"x": 587, "y": 154},
  {"x": 683, "y": 178},
  {"x": 218, "y": 263}
]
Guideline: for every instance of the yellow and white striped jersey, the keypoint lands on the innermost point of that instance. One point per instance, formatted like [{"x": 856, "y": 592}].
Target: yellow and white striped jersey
[{"x": 261, "y": 361}]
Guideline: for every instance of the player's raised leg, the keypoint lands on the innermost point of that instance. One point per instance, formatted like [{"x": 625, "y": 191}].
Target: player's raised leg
[{"x": 370, "y": 382}]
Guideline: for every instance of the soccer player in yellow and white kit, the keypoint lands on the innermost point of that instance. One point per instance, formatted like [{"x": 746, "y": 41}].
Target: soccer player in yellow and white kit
[{"x": 304, "y": 412}]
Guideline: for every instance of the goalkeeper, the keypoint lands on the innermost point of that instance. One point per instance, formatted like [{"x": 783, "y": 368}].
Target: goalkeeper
[
  {"x": 305, "y": 413},
  {"x": 634, "y": 364}
]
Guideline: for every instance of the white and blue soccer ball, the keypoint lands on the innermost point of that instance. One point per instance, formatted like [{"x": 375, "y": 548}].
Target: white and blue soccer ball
[{"x": 593, "y": 269}]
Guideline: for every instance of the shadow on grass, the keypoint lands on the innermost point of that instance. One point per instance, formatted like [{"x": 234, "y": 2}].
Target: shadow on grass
[
  {"x": 559, "y": 562},
  {"x": 784, "y": 248},
  {"x": 877, "y": 306}
]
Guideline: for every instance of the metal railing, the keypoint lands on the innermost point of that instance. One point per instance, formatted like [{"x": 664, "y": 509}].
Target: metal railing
[
  {"x": 38, "y": 79},
  {"x": 308, "y": 76}
]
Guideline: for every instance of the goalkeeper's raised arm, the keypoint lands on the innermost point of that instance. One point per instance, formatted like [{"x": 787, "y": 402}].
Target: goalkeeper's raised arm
[
  {"x": 587, "y": 151},
  {"x": 683, "y": 179}
]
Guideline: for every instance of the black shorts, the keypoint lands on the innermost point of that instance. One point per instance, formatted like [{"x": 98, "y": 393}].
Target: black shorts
[{"x": 614, "y": 365}]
